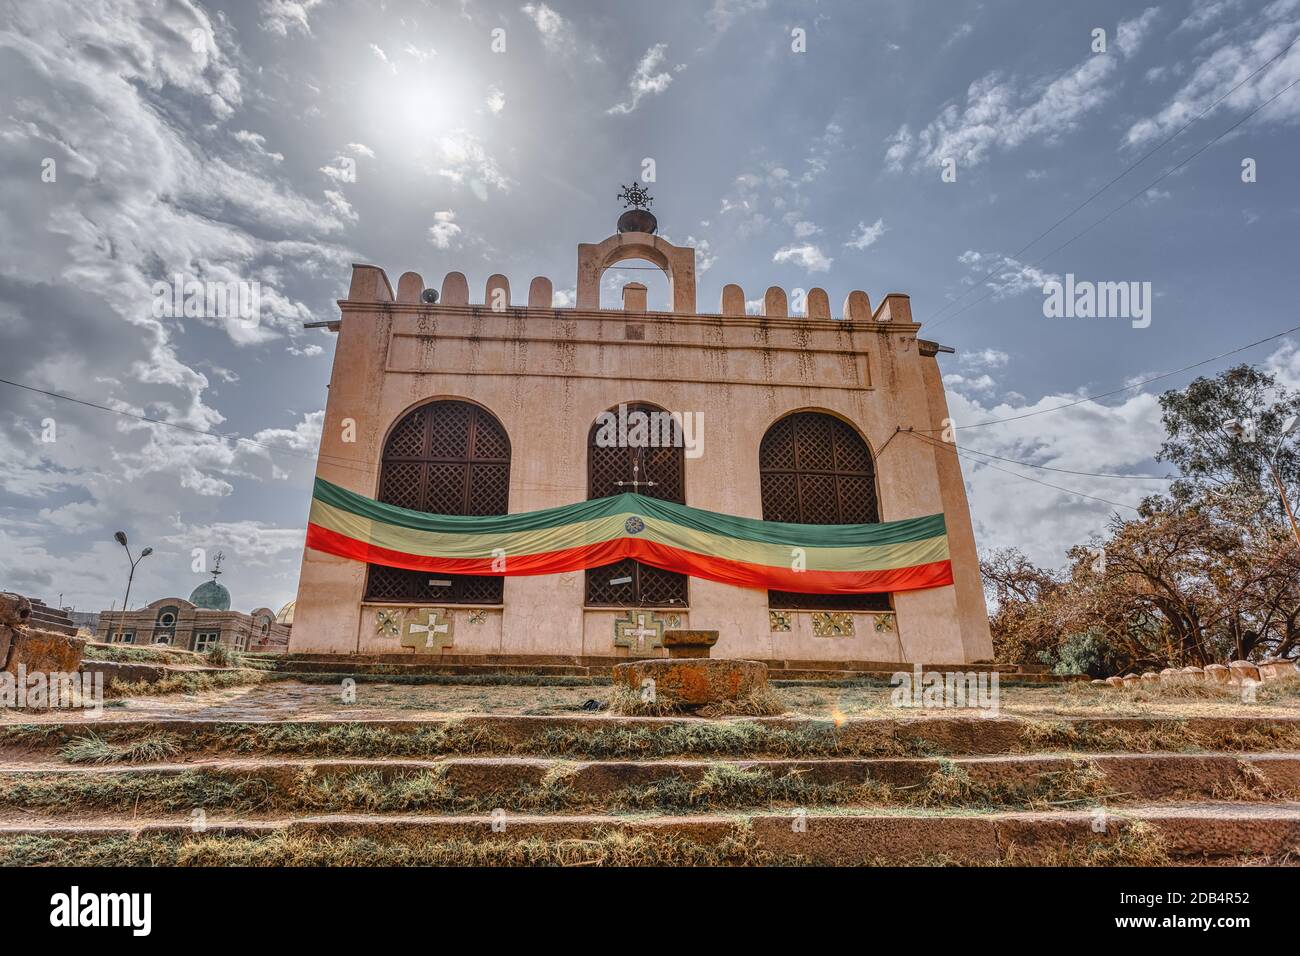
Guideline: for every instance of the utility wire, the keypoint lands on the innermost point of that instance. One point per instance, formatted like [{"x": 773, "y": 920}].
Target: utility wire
[
  {"x": 1065, "y": 471},
  {"x": 1141, "y": 192},
  {"x": 1129, "y": 387},
  {"x": 341, "y": 463},
  {"x": 1125, "y": 172},
  {"x": 1016, "y": 474}
]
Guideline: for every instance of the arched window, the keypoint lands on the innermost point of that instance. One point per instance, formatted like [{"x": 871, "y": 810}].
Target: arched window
[
  {"x": 656, "y": 469},
  {"x": 448, "y": 458},
  {"x": 816, "y": 469}
]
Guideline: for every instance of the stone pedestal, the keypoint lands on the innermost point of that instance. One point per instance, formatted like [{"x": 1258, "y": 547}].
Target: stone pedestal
[
  {"x": 692, "y": 644},
  {"x": 45, "y": 651},
  {"x": 30, "y": 647},
  {"x": 688, "y": 678}
]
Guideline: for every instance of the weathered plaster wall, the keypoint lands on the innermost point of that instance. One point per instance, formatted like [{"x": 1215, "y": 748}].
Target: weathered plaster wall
[{"x": 546, "y": 373}]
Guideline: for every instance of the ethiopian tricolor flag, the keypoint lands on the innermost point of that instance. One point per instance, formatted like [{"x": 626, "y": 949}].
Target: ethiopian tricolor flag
[{"x": 813, "y": 559}]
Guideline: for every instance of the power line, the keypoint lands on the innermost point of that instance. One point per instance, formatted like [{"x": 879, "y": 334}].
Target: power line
[
  {"x": 1016, "y": 474},
  {"x": 1129, "y": 387},
  {"x": 1065, "y": 471},
  {"x": 1121, "y": 175},
  {"x": 1145, "y": 189},
  {"x": 349, "y": 463}
]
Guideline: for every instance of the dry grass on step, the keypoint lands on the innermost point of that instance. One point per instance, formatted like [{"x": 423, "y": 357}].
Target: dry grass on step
[{"x": 763, "y": 702}]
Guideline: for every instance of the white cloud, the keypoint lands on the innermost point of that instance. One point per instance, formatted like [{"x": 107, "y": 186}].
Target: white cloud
[
  {"x": 1252, "y": 44},
  {"x": 1003, "y": 274},
  {"x": 959, "y": 33},
  {"x": 985, "y": 358},
  {"x": 382, "y": 57},
  {"x": 704, "y": 257},
  {"x": 1044, "y": 522},
  {"x": 444, "y": 229},
  {"x": 462, "y": 158},
  {"x": 159, "y": 184},
  {"x": 557, "y": 34},
  {"x": 979, "y": 384},
  {"x": 496, "y": 100},
  {"x": 282, "y": 16},
  {"x": 251, "y": 543},
  {"x": 415, "y": 52},
  {"x": 1002, "y": 114},
  {"x": 339, "y": 203},
  {"x": 257, "y": 143},
  {"x": 867, "y": 236},
  {"x": 645, "y": 81},
  {"x": 303, "y": 437},
  {"x": 1205, "y": 12},
  {"x": 809, "y": 256},
  {"x": 724, "y": 13}
]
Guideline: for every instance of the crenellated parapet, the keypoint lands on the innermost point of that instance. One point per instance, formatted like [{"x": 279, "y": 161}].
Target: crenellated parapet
[{"x": 370, "y": 284}]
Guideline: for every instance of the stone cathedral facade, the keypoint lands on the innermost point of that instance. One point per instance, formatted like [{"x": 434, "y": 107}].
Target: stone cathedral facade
[{"x": 460, "y": 407}]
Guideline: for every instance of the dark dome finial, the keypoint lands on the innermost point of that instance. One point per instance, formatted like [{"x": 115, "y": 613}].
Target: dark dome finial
[{"x": 638, "y": 217}]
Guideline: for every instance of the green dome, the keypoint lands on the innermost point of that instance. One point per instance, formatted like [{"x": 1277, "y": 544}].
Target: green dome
[{"x": 212, "y": 596}]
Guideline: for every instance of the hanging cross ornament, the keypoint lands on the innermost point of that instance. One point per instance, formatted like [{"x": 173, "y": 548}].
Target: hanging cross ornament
[
  {"x": 636, "y": 196},
  {"x": 635, "y": 483}
]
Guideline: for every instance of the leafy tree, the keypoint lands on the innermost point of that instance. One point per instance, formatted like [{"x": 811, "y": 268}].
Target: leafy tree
[
  {"x": 1208, "y": 573},
  {"x": 1210, "y": 458}
]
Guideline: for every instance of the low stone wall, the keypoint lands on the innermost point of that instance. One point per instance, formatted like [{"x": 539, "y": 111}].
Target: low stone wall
[{"x": 1235, "y": 673}]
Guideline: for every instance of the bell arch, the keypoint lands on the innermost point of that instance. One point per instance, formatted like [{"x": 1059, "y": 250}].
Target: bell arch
[{"x": 677, "y": 263}]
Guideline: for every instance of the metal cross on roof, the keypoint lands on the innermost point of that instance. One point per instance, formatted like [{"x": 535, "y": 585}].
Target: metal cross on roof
[{"x": 636, "y": 196}]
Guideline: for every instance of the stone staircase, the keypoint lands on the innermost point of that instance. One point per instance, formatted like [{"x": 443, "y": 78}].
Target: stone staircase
[
  {"x": 598, "y": 666},
  {"x": 583, "y": 790},
  {"x": 47, "y": 618}
]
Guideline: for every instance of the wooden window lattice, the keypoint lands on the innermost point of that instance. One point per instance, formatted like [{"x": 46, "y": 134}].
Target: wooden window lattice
[
  {"x": 443, "y": 458},
  {"x": 815, "y": 469},
  {"x": 665, "y": 466}
]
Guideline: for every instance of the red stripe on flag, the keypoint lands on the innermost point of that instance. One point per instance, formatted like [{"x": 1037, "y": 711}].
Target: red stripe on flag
[{"x": 739, "y": 573}]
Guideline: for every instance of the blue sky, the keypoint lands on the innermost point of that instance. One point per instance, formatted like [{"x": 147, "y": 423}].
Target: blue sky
[{"x": 217, "y": 141}]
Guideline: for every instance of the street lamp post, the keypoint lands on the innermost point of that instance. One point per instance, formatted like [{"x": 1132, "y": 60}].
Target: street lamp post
[
  {"x": 1236, "y": 429},
  {"x": 120, "y": 537}
]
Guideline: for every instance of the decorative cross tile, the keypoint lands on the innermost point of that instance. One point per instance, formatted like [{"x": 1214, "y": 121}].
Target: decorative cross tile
[
  {"x": 429, "y": 629},
  {"x": 884, "y": 622},
  {"x": 832, "y": 624},
  {"x": 778, "y": 621},
  {"x": 640, "y": 631},
  {"x": 388, "y": 623}
]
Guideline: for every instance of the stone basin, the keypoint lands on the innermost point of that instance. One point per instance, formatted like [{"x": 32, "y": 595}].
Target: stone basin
[{"x": 688, "y": 678}]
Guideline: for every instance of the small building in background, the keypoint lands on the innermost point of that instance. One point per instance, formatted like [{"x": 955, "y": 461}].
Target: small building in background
[
  {"x": 198, "y": 624},
  {"x": 86, "y": 623}
]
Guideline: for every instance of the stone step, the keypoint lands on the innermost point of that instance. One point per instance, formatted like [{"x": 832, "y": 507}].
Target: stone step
[
  {"x": 432, "y": 669},
  {"x": 591, "y": 666},
  {"x": 47, "y": 618},
  {"x": 608, "y": 737},
  {"x": 527, "y": 784},
  {"x": 141, "y": 672},
  {"x": 1181, "y": 833}
]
